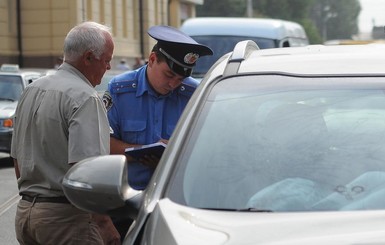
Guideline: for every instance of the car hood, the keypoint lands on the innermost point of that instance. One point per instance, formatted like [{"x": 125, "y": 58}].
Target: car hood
[
  {"x": 171, "y": 223},
  {"x": 7, "y": 108}
]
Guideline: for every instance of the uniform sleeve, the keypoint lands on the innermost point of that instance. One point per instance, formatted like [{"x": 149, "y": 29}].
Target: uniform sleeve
[
  {"x": 113, "y": 121},
  {"x": 88, "y": 131}
]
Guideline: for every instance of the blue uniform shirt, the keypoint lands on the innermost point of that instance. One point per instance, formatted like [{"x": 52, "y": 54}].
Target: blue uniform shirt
[{"x": 139, "y": 115}]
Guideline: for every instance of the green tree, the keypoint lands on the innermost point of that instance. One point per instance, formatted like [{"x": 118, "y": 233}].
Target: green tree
[
  {"x": 228, "y": 8},
  {"x": 283, "y": 9},
  {"x": 322, "y": 19},
  {"x": 336, "y": 19},
  {"x": 311, "y": 31},
  {"x": 294, "y": 10}
]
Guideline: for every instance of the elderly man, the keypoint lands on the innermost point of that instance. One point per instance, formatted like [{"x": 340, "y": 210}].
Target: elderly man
[{"x": 59, "y": 121}]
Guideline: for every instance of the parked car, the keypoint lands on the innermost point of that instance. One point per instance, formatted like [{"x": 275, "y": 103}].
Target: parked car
[
  {"x": 12, "y": 83},
  {"x": 276, "y": 146},
  {"x": 222, "y": 33},
  {"x": 352, "y": 41}
]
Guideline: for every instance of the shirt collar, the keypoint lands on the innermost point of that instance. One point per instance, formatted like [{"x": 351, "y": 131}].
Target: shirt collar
[
  {"x": 67, "y": 67},
  {"x": 145, "y": 86}
]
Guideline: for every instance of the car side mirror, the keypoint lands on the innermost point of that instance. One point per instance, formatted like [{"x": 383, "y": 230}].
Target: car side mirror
[{"x": 99, "y": 184}]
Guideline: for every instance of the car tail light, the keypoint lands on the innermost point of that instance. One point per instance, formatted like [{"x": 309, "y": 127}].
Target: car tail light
[{"x": 8, "y": 123}]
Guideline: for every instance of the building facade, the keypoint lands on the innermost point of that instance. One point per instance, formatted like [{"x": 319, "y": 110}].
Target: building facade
[{"x": 32, "y": 31}]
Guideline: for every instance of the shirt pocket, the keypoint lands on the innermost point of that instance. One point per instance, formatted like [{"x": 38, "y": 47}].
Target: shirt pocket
[{"x": 134, "y": 132}]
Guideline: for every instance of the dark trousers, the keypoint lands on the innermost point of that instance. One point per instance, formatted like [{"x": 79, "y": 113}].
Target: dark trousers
[{"x": 122, "y": 225}]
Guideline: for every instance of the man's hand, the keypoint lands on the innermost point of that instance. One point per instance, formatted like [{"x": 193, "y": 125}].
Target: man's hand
[
  {"x": 150, "y": 161},
  {"x": 16, "y": 165},
  {"x": 107, "y": 229}
]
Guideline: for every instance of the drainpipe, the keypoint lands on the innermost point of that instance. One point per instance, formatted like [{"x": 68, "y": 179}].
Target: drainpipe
[
  {"x": 19, "y": 34},
  {"x": 141, "y": 29},
  {"x": 168, "y": 12}
]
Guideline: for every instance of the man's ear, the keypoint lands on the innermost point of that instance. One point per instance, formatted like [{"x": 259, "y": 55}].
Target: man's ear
[
  {"x": 151, "y": 59},
  {"x": 88, "y": 56}
]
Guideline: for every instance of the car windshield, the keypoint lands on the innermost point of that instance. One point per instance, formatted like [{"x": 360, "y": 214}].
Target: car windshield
[
  {"x": 222, "y": 45},
  {"x": 11, "y": 87},
  {"x": 293, "y": 148}
]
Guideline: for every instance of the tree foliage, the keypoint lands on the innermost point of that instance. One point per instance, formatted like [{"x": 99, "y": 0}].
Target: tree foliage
[
  {"x": 228, "y": 8},
  {"x": 283, "y": 9},
  {"x": 322, "y": 19},
  {"x": 336, "y": 19}
]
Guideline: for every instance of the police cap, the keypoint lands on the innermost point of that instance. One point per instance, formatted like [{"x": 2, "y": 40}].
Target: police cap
[{"x": 180, "y": 49}]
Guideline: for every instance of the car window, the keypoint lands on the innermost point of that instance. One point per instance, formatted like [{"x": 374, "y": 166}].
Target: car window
[
  {"x": 222, "y": 45},
  {"x": 292, "y": 148},
  {"x": 11, "y": 87}
]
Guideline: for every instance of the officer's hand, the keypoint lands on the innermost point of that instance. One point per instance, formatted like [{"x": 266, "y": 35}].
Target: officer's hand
[
  {"x": 163, "y": 141},
  {"x": 150, "y": 161}
]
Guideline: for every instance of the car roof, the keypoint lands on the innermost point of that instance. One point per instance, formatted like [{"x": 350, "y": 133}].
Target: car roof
[
  {"x": 20, "y": 73},
  {"x": 355, "y": 59},
  {"x": 27, "y": 76},
  {"x": 317, "y": 60},
  {"x": 13, "y": 69},
  {"x": 259, "y": 27}
]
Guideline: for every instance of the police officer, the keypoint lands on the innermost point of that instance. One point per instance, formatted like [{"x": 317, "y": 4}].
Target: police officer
[{"x": 144, "y": 105}]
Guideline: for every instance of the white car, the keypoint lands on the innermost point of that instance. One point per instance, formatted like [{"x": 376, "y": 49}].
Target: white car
[
  {"x": 12, "y": 83},
  {"x": 276, "y": 146},
  {"x": 222, "y": 33}
]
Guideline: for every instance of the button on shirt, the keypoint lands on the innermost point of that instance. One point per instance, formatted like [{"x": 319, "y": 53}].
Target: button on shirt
[{"x": 140, "y": 116}]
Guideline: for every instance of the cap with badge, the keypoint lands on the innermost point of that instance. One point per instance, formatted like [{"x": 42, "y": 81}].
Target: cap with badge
[{"x": 180, "y": 49}]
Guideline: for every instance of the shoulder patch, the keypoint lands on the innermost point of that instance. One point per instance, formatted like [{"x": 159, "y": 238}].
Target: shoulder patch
[
  {"x": 186, "y": 90},
  {"x": 107, "y": 100},
  {"x": 123, "y": 87}
]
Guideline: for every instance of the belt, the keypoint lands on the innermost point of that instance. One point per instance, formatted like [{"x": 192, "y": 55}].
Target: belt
[{"x": 45, "y": 199}]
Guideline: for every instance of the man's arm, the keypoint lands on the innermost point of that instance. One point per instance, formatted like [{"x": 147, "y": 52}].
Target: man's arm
[
  {"x": 16, "y": 165},
  {"x": 119, "y": 147}
]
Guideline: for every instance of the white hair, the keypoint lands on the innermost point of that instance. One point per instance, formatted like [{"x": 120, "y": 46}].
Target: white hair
[{"x": 87, "y": 36}]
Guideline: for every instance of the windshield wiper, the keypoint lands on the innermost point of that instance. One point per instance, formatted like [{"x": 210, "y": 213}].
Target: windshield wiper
[
  {"x": 8, "y": 99},
  {"x": 256, "y": 210},
  {"x": 199, "y": 74}
]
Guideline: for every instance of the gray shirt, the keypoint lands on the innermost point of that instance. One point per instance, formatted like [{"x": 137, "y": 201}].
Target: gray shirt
[{"x": 60, "y": 119}]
